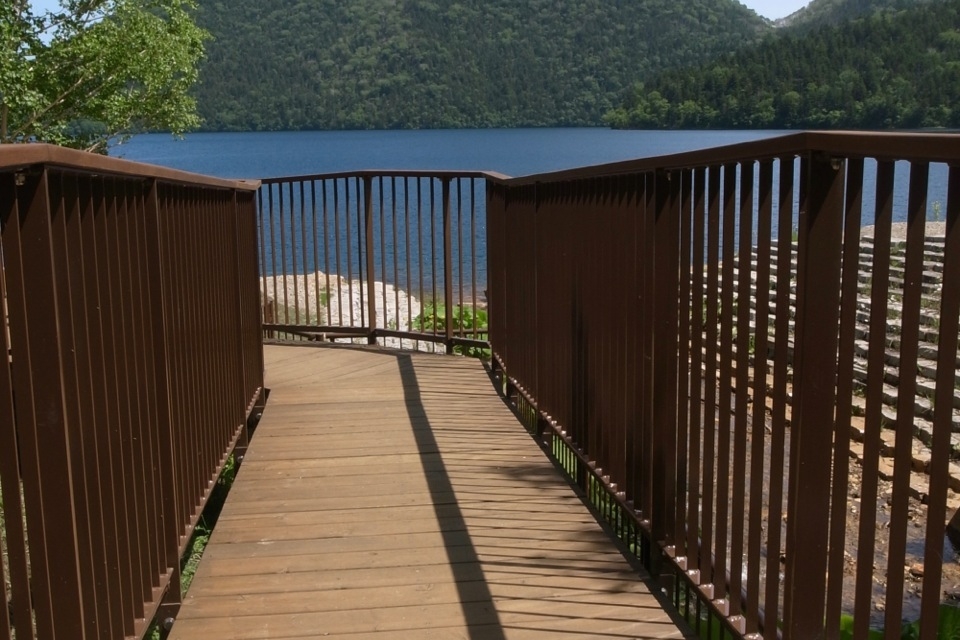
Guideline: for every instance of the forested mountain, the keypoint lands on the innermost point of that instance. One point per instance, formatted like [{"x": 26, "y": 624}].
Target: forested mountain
[
  {"x": 331, "y": 64},
  {"x": 890, "y": 69},
  {"x": 833, "y": 12}
]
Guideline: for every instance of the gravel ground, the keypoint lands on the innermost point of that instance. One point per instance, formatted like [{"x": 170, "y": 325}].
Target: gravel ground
[{"x": 899, "y": 230}]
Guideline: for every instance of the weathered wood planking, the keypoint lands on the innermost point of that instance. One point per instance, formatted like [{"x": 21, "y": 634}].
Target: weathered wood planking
[{"x": 395, "y": 495}]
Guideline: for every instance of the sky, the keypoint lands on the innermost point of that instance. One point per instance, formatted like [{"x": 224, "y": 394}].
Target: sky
[
  {"x": 771, "y": 9},
  {"x": 774, "y": 9}
]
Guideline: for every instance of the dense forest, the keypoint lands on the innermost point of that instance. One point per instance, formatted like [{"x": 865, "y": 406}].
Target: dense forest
[
  {"x": 832, "y": 12},
  {"x": 334, "y": 64},
  {"x": 893, "y": 68}
]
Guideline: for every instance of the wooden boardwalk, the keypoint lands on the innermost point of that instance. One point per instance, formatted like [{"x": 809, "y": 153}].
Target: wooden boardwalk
[{"x": 395, "y": 495}]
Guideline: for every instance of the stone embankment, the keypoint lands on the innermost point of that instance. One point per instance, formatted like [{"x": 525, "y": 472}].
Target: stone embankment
[
  {"x": 921, "y": 426},
  {"x": 315, "y": 299}
]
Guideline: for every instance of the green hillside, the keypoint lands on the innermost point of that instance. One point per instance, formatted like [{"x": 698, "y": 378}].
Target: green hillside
[
  {"x": 833, "y": 12},
  {"x": 333, "y": 64},
  {"x": 890, "y": 69}
]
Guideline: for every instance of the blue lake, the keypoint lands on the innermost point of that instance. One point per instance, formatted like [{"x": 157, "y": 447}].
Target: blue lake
[{"x": 513, "y": 152}]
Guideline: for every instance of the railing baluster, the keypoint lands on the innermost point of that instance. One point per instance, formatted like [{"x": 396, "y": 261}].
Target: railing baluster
[
  {"x": 724, "y": 423},
  {"x": 283, "y": 215},
  {"x": 433, "y": 249},
  {"x": 758, "y": 437},
  {"x": 741, "y": 376},
  {"x": 316, "y": 257},
  {"x": 708, "y": 572},
  {"x": 326, "y": 248},
  {"x": 423, "y": 307},
  {"x": 778, "y": 419},
  {"x": 695, "y": 372},
  {"x": 473, "y": 258},
  {"x": 298, "y": 259},
  {"x": 460, "y": 325},
  {"x": 383, "y": 253},
  {"x": 262, "y": 235},
  {"x": 370, "y": 243},
  {"x": 447, "y": 266},
  {"x": 349, "y": 242},
  {"x": 644, "y": 492},
  {"x": 273, "y": 253},
  {"x": 684, "y": 494},
  {"x": 406, "y": 254},
  {"x": 336, "y": 242}
]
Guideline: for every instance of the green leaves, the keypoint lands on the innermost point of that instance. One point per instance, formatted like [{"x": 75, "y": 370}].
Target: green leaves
[
  {"x": 96, "y": 71},
  {"x": 464, "y": 320}
]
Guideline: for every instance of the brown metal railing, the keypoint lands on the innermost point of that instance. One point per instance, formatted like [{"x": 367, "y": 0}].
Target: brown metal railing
[
  {"x": 133, "y": 362},
  {"x": 721, "y": 357},
  {"x": 383, "y": 257}
]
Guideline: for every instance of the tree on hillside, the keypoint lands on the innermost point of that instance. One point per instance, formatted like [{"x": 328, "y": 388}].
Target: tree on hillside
[
  {"x": 94, "y": 71},
  {"x": 889, "y": 70}
]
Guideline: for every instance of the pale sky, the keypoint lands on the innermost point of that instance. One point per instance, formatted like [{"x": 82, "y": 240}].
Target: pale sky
[
  {"x": 774, "y": 9},
  {"x": 771, "y": 9}
]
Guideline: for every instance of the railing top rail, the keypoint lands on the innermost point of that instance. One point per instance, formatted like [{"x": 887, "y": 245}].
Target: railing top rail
[
  {"x": 396, "y": 173},
  {"x": 932, "y": 147},
  {"x": 21, "y": 156}
]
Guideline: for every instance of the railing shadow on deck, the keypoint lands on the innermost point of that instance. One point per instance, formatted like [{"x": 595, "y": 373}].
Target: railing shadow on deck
[{"x": 479, "y": 613}]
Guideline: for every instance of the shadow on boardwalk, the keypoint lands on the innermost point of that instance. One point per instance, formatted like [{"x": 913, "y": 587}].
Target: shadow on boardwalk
[{"x": 396, "y": 494}]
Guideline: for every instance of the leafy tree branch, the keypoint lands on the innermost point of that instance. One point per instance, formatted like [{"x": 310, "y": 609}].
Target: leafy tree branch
[{"x": 92, "y": 72}]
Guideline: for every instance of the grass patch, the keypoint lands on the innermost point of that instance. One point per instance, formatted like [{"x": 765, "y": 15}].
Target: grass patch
[
  {"x": 190, "y": 561},
  {"x": 464, "y": 320},
  {"x": 948, "y": 626}
]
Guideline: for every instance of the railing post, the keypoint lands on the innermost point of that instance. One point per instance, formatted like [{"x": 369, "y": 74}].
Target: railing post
[
  {"x": 818, "y": 293},
  {"x": 447, "y": 269},
  {"x": 371, "y": 271}
]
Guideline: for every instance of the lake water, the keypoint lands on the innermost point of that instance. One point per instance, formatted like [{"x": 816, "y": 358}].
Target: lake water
[{"x": 513, "y": 152}]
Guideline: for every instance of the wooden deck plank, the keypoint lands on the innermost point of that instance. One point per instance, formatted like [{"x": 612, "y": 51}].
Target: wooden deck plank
[{"x": 395, "y": 494}]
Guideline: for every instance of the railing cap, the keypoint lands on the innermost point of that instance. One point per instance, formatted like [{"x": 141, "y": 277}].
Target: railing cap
[
  {"x": 22, "y": 156},
  {"x": 928, "y": 147},
  {"x": 439, "y": 174}
]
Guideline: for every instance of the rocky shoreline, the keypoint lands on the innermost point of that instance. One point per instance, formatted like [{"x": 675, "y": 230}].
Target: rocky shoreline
[{"x": 320, "y": 299}]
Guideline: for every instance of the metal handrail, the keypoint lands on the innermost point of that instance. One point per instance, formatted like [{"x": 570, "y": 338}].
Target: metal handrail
[
  {"x": 619, "y": 314},
  {"x": 134, "y": 365}
]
